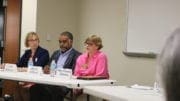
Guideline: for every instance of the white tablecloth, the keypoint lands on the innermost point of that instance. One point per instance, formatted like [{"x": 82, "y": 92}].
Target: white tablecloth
[
  {"x": 122, "y": 93},
  {"x": 47, "y": 79}
]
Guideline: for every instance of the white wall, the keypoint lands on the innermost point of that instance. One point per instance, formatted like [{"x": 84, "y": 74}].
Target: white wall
[
  {"x": 28, "y": 23},
  {"x": 106, "y": 18},
  {"x": 54, "y": 17}
]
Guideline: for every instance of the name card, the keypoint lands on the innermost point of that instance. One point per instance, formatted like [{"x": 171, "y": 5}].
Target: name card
[
  {"x": 10, "y": 67},
  {"x": 35, "y": 70},
  {"x": 67, "y": 73}
]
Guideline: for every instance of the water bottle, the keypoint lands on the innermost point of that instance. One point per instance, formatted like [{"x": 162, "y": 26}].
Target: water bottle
[
  {"x": 156, "y": 87},
  {"x": 53, "y": 68},
  {"x": 30, "y": 62}
]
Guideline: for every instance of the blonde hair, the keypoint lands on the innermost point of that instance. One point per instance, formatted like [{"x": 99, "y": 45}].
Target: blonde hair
[
  {"x": 30, "y": 34},
  {"x": 96, "y": 40}
]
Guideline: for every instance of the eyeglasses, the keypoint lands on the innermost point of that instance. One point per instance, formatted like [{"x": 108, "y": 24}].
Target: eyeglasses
[
  {"x": 32, "y": 40},
  {"x": 88, "y": 44}
]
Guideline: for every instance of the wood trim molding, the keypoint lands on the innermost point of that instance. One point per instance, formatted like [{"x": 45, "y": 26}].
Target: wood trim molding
[{"x": 12, "y": 39}]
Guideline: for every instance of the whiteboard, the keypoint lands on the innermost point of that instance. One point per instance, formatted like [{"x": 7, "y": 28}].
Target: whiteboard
[{"x": 149, "y": 23}]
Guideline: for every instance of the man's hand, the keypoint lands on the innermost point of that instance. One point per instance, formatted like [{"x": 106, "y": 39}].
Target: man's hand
[{"x": 46, "y": 69}]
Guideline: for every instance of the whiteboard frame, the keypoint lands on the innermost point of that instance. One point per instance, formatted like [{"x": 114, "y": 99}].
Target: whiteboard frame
[{"x": 125, "y": 51}]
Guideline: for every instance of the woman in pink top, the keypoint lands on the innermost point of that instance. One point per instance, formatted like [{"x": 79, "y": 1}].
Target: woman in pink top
[{"x": 93, "y": 62}]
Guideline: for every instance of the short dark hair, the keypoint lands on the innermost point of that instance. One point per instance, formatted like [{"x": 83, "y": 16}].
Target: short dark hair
[
  {"x": 68, "y": 34},
  {"x": 169, "y": 63}
]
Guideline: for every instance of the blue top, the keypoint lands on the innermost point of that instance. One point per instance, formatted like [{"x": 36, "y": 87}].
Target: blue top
[
  {"x": 70, "y": 60},
  {"x": 62, "y": 58},
  {"x": 40, "y": 58}
]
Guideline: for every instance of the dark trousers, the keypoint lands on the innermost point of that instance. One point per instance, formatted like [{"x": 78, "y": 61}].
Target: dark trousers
[
  {"x": 21, "y": 94},
  {"x": 41, "y": 92}
]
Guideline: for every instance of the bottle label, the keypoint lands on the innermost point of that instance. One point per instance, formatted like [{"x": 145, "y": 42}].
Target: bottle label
[
  {"x": 30, "y": 63},
  {"x": 53, "y": 68}
]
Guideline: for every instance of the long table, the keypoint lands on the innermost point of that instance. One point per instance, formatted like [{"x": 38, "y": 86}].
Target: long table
[
  {"x": 123, "y": 93},
  {"x": 47, "y": 79},
  {"x": 58, "y": 81}
]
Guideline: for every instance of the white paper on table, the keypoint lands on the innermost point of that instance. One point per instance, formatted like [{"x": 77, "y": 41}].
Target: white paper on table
[
  {"x": 67, "y": 73},
  {"x": 10, "y": 67},
  {"x": 136, "y": 86},
  {"x": 35, "y": 70}
]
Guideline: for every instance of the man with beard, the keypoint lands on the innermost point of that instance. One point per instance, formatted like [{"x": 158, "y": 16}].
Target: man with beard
[{"x": 64, "y": 58}]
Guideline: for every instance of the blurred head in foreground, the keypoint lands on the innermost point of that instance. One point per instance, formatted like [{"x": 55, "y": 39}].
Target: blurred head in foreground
[{"x": 169, "y": 63}]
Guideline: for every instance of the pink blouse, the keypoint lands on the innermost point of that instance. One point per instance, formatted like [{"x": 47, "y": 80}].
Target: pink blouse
[{"x": 97, "y": 65}]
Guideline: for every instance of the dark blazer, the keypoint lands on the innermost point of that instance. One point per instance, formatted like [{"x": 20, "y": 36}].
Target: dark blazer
[
  {"x": 71, "y": 60},
  {"x": 54, "y": 93},
  {"x": 40, "y": 58}
]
